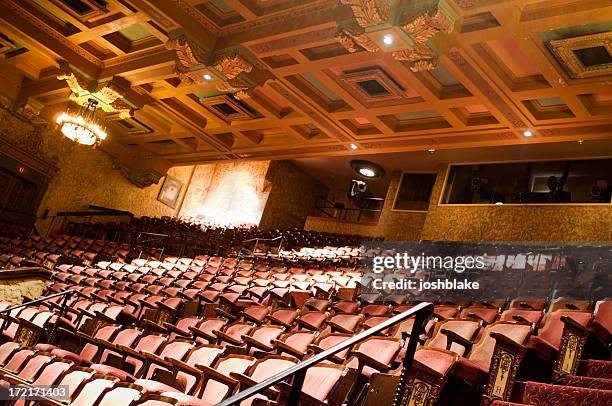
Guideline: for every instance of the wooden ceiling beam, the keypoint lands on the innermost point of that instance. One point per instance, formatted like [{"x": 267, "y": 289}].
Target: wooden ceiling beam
[
  {"x": 29, "y": 31},
  {"x": 188, "y": 22}
]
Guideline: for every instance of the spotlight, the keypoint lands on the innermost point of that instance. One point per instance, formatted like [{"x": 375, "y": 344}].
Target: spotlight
[
  {"x": 207, "y": 77},
  {"x": 580, "y": 142},
  {"x": 354, "y": 146},
  {"x": 527, "y": 133},
  {"x": 431, "y": 150},
  {"x": 499, "y": 203},
  {"x": 367, "y": 172},
  {"x": 367, "y": 169},
  {"x": 388, "y": 39}
]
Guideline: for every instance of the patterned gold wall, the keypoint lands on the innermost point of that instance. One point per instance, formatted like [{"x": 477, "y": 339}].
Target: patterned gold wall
[
  {"x": 14, "y": 289},
  {"x": 398, "y": 225},
  {"x": 85, "y": 176},
  {"x": 515, "y": 223},
  {"x": 292, "y": 197}
]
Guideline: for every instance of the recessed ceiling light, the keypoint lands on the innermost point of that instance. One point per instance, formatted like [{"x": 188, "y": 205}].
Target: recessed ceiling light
[
  {"x": 431, "y": 150},
  {"x": 207, "y": 76},
  {"x": 388, "y": 39},
  {"x": 499, "y": 203},
  {"x": 354, "y": 146},
  {"x": 367, "y": 169},
  {"x": 580, "y": 142},
  {"x": 528, "y": 133},
  {"x": 367, "y": 172}
]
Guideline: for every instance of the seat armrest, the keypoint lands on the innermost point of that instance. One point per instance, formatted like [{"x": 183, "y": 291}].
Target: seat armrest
[
  {"x": 165, "y": 306},
  {"x": 317, "y": 350},
  {"x": 134, "y": 303},
  {"x": 567, "y": 320},
  {"x": 155, "y": 358},
  {"x": 371, "y": 362},
  {"x": 153, "y": 326},
  {"x": 281, "y": 346},
  {"x": 180, "y": 365},
  {"x": 172, "y": 328},
  {"x": 201, "y": 333},
  {"x": 224, "y": 337},
  {"x": 477, "y": 317},
  {"x": 251, "y": 341},
  {"x": 452, "y": 337},
  {"x": 215, "y": 375},
  {"x": 499, "y": 337}
]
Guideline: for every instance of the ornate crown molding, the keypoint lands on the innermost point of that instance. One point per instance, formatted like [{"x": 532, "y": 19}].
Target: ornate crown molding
[{"x": 109, "y": 94}]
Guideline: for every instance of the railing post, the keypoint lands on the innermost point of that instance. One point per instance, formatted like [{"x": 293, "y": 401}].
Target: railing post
[
  {"x": 420, "y": 320},
  {"x": 296, "y": 388},
  {"x": 60, "y": 315}
]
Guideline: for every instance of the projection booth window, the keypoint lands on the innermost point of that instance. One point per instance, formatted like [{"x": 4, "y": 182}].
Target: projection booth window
[
  {"x": 414, "y": 191},
  {"x": 548, "y": 182}
]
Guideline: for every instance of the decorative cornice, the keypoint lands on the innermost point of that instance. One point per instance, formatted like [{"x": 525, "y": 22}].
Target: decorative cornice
[
  {"x": 188, "y": 53},
  {"x": 231, "y": 65},
  {"x": 353, "y": 37},
  {"x": 109, "y": 94},
  {"x": 369, "y": 12}
]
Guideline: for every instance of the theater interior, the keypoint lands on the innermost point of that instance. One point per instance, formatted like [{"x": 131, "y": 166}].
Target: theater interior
[{"x": 193, "y": 194}]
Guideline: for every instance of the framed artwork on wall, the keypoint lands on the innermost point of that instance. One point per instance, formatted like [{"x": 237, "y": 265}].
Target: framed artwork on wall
[{"x": 170, "y": 191}]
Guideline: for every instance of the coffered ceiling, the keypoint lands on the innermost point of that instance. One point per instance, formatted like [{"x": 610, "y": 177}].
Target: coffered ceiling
[{"x": 193, "y": 81}]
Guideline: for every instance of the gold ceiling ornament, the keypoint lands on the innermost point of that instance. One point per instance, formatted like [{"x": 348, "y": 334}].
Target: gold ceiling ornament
[
  {"x": 232, "y": 85},
  {"x": 188, "y": 53},
  {"x": 351, "y": 37},
  {"x": 108, "y": 95},
  {"x": 420, "y": 30},
  {"x": 232, "y": 64},
  {"x": 369, "y": 12}
]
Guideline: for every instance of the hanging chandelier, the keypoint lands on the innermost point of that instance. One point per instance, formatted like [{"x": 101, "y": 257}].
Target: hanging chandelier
[{"x": 83, "y": 126}]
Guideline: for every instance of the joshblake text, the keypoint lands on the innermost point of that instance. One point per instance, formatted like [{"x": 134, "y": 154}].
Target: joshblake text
[{"x": 421, "y": 285}]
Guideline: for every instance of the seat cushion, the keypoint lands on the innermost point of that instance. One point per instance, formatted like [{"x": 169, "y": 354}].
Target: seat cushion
[
  {"x": 439, "y": 361},
  {"x": 542, "y": 347},
  {"x": 152, "y": 386},
  {"x": 470, "y": 371},
  {"x": 108, "y": 370},
  {"x": 186, "y": 400}
]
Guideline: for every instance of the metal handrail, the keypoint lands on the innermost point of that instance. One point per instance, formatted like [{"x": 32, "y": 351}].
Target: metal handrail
[
  {"x": 422, "y": 313},
  {"x": 67, "y": 295}
]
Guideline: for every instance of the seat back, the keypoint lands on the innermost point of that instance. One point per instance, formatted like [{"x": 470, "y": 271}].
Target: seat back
[
  {"x": 465, "y": 328},
  {"x": 123, "y": 394},
  {"x": 91, "y": 391},
  {"x": 552, "y": 330},
  {"x": 215, "y": 391},
  {"x": 482, "y": 351}
]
